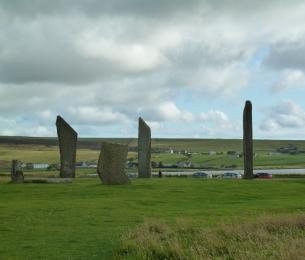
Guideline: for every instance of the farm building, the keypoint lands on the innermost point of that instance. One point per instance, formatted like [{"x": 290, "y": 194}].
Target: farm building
[
  {"x": 40, "y": 165},
  {"x": 234, "y": 154}
]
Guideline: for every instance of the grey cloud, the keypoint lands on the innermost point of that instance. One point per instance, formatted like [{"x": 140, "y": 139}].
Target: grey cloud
[
  {"x": 191, "y": 55},
  {"x": 97, "y": 7},
  {"x": 136, "y": 7},
  {"x": 60, "y": 67},
  {"x": 124, "y": 58},
  {"x": 287, "y": 56},
  {"x": 46, "y": 52},
  {"x": 45, "y": 49}
]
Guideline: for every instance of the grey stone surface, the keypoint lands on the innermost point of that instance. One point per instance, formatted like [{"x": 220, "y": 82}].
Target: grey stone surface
[
  {"x": 144, "y": 150},
  {"x": 67, "y": 139},
  {"x": 16, "y": 172},
  {"x": 248, "y": 141},
  {"x": 111, "y": 164}
]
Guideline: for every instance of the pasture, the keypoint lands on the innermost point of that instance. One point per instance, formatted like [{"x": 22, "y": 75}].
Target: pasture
[
  {"x": 45, "y": 150},
  {"x": 87, "y": 220},
  {"x": 157, "y": 218}
]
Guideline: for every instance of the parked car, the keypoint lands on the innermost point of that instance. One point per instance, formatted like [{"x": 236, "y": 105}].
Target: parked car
[
  {"x": 263, "y": 175},
  {"x": 201, "y": 175},
  {"x": 131, "y": 175},
  {"x": 231, "y": 175}
]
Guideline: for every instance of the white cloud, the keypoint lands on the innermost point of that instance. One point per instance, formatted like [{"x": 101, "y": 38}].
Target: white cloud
[
  {"x": 218, "y": 81},
  {"x": 155, "y": 126},
  {"x": 169, "y": 111},
  {"x": 107, "y": 62},
  {"x": 290, "y": 79},
  {"x": 285, "y": 115},
  {"x": 15, "y": 127},
  {"x": 133, "y": 57},
  {"x": 215, "y": 116},
  {"x": 93, "y": 116},
  {"x": 217, "y": 123}
]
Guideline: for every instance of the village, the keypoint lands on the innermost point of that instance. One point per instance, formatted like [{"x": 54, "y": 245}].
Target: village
[{"x": 185, "y": 162}]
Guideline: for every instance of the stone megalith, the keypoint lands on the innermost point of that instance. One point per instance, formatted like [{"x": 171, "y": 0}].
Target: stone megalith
[
  {"x": 67, "y": 139},
  {"x": 144, "y": 150},
  {"x": 111, "y": 164},
  {"x": 248, "y": 141},
  {"x": 16, "y": 172}
]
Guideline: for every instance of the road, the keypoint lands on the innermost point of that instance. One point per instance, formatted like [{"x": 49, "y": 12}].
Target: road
[{"x": 272, "y": 171}]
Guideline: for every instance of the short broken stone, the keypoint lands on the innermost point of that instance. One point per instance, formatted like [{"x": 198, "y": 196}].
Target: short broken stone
[
  {"x": 50, "y": 181},
  {"x": 111, "y": 164},
  {"x": 16, "y": 172}
]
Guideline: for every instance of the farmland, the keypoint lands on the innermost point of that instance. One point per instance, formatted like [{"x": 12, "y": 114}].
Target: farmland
[{"x": 45, "y": 150}]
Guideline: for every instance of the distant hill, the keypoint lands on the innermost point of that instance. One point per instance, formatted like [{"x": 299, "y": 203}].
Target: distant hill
[
  {"x": 195, "y": 145},
  {"x": 88, "y": 143}
]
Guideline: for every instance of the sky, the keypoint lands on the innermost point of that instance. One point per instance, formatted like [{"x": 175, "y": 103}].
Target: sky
[{"x": 185, "y": 67}]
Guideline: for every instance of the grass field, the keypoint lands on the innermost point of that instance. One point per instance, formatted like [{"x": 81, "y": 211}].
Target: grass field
[
  {"x": 87, "y": 220},
  {"x": 44, "y": 150}
]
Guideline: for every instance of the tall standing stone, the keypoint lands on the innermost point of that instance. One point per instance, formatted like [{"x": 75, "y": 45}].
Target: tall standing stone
[
  {"x": 16, "y": 172},
  {"x": 144, "y": 150},
  {"x": 248, "y": 141},
  {"x": 111, "y": 164},
  {"x": 67, "y": 138}
]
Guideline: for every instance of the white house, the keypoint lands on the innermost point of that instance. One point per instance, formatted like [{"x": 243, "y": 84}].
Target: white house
[{"x": 40, "y": 165}]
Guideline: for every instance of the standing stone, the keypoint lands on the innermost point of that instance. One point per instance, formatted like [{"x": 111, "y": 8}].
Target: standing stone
[
  {"x": 67, "y": 139},
  {"x": 111, "y": 164},
  {"x": 16, "y": 172},
  {"x": 248, "y": 141},
  {"x": 144, "y": 150}
]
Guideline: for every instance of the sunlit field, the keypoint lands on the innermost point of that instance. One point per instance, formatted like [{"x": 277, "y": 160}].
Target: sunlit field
[
  {"x": 167, "y": 218},
  {"x": 87, "y": 220},
  {"x": 265, "y": 150}
]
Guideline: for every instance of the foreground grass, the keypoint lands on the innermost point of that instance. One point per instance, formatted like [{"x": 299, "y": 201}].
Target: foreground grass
[
  {"x": 267, "y": 238},
  {"x": 86, "y": 220}
]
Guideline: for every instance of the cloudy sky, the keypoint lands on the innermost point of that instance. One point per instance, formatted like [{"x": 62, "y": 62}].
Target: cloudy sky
[{"x": 186, "y": 67}]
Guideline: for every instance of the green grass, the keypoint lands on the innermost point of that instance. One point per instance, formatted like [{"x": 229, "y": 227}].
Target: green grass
[
  {"x": 220, "y": 145},
  {"x": 262, "y": 160},
  {"x": 86, "y": 220},
  {"x": 45, "y": 150},
  {"x": 50, "y": 154},
  {"x": 40, "y": 153}
]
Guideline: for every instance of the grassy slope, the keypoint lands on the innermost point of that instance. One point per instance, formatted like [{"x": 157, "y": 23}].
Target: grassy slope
[
  {"x": 219, "y": 145},
  {"x": 262, "y": 160},
  {"x": 84, "y": 220}
]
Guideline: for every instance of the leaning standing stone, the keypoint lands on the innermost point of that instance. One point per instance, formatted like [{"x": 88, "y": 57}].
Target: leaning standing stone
[
  {"x": 248, "y": 141},
  {"x": 111, "y": 164},
  {"x": 144, "y": 150},
  {"x": 16, "y": 172},
  {"x": 67, "y": 138}
]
